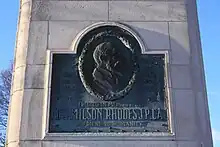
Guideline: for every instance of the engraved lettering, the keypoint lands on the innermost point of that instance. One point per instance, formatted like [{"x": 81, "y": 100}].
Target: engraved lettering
[
  {"x": 114, "y": 114},
  {"x": 154, "y": 113},
  {"x": 147, "y": 113},
  {"x": 120, "y": 114},
  {"x": 134, "y": 114},
  {"x": 108, "y": 114}
]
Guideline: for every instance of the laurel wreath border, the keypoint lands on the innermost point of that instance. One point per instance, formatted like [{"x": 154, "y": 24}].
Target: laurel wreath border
[{"x": 122, "y": 93}]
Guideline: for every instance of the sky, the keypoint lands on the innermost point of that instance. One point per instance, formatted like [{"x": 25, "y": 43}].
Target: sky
[{"x": 209, "y": 19}]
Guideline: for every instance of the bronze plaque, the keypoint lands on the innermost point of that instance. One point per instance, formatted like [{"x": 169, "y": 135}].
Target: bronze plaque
[{"x": 108, "y": 86}]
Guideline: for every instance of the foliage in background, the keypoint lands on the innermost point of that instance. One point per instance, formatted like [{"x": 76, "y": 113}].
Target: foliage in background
[{"x": 5, "y": 87}]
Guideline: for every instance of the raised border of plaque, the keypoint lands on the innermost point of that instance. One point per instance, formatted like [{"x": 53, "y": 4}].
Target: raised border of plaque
[{"x": 143, "y": 135}]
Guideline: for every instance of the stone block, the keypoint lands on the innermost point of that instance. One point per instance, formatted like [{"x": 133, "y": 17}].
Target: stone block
[
  {"x": 188, "y": 144},
  {"x": 70, "y": 10},
  {"x": 62, "y": 33},
  {"x": 177, "y": 10},
  {"x": 30, "y": 144},
  {"x": 184, "y": 114},
  {"x": 146, "y": 11},
  {"x": 179, "y": 40},
  {"x": 138, "y": 11},
  {"x": 32, "y": 114},
  {"x": 37, "y": 42},
  {"x": 198, "y": 81},
  {"x": 180, "y": 77},
  {"x": 34, "y": 77},
  {"x": 19, "y": 78},
  {"x": 154, "y": 34}
]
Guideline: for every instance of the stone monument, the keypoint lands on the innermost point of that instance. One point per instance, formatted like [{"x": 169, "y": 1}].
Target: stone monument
[{"x": 108, "y": 73}]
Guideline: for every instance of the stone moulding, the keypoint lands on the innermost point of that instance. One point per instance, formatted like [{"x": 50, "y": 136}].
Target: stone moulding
[{"x": 20, "y": 53}]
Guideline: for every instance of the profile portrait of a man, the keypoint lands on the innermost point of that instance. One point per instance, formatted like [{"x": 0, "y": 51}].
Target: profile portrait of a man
[{"x": 112, "y": 60}]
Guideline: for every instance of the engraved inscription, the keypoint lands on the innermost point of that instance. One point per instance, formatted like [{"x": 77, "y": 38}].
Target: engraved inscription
[{"x": 73, "y": 109}]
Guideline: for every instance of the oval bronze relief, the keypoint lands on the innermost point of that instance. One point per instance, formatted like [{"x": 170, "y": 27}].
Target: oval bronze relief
[{"x": 108, "y": 62}]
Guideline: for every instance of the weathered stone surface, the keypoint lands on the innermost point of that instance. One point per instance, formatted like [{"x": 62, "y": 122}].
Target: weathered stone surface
[
  {"x": 138, "y": 11},
  {"x": 19, "y": 78},
  {"x": 201, "y": 98},
  {"x": 37, "y": 42},
  {"x": 184, "y": 114},
  {"x": 32, "y": 114},
  {"x": 154, "y": 34},
  {"x": 14, "y": 119},
  {"x": 26, "y": 112},
  {"x": 31, "y": 144},
  {"x": 203, "y": 118},
  {"x": 70, "y": 10},
  {"x": 25, "y": 11},
  {"x": 22, "y": 34},
  {"x": 179, "y": 38},
  {"x": 177, "y": 10},
  {"x": 13, "y": 144},
  {"x": 25, "y": 144},
  {"x": 189, "y": 144},
  {"x": 62, "y": 33},
  {"x": 34, "y": 77},
  {"x": 180, "y": 76},
  {"x": 21, "y": 45},
  {"x": 146, "y": 11},
  {"x": 111, "y": 144}
]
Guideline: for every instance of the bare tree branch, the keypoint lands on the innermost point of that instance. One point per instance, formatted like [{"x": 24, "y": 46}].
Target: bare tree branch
[{"x": 5, "y": 87}]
